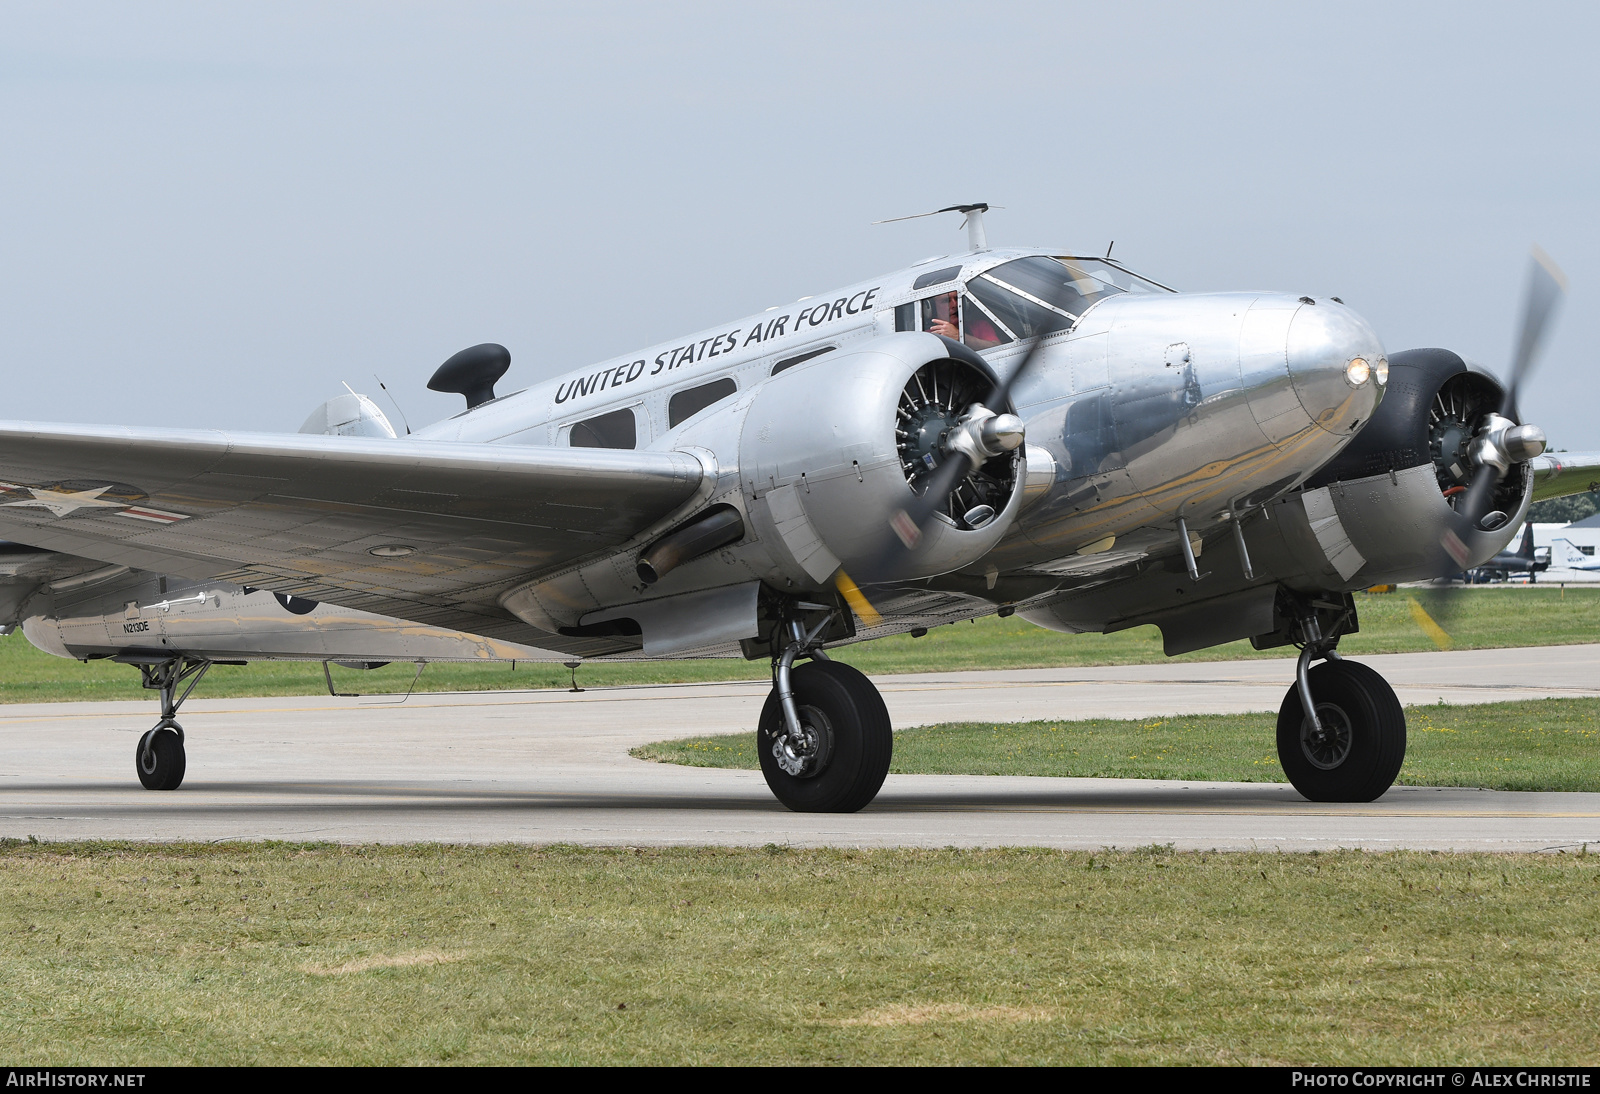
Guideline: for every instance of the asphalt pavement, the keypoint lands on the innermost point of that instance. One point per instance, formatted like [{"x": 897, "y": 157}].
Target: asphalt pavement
[{"x": 553, "y": 767}]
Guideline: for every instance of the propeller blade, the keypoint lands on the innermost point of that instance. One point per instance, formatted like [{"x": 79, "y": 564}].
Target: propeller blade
[
  {"x": 1480, "y": 494},
  {"x": 1546, "y": 286},
  {"x": 1442, "y": 603},
  {"x": 1000, "y": 397}
]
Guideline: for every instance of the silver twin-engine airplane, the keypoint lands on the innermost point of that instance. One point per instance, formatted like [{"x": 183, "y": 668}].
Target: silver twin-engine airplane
[{"x": 994, "y": 432}]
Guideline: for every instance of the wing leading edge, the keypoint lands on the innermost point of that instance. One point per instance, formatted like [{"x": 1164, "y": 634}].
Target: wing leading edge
[
  {"x": 432, "y": 531},
  {"x": 1577, "y": 472}
]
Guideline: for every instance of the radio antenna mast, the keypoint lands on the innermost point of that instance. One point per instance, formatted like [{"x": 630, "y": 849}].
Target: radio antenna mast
[{"x": 977, "y": 240}]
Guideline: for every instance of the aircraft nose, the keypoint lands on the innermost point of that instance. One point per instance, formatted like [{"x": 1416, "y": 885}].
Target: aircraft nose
[{"x": 1336, "y": 364}]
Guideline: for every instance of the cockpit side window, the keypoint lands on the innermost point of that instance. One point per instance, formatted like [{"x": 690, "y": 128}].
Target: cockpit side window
[
  {"x": 939, "y": 315},
  {"x": 947, "y": 314},
  {"x": 687, "y": 403},
  {"x": 618, "y": 429}
]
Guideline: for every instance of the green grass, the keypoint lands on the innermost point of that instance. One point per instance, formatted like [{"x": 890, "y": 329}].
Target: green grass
[
  {"x": 1544, "y": 744},
  {"x": 277, "y": 954},
  {"x": 1487, "y": 618}
]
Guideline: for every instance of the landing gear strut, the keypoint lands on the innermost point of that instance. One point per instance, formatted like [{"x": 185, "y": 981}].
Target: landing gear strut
[
  {"x": 1341, "y": 729},
  {"x": 824, "y": 738},
  {"x": 160, "y": 759}
]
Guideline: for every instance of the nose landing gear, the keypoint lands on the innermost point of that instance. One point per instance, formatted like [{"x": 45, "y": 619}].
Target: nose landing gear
[
  {"x": 824, "y": 737},
  {"x": 160, "y": 760}
]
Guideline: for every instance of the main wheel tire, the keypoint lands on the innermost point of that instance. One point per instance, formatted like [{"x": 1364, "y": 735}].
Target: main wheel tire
[
  {"x": 163, "y": 768},
  {"x": 849, "y": 741},
  {"x": 1363, "y": 742}
]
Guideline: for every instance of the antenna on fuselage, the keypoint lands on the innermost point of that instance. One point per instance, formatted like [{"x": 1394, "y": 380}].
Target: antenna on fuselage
[{"x": 976, "y": 239}]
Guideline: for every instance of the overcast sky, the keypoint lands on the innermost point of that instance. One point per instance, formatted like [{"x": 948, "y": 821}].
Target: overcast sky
[{"x": 211, "y": 214}]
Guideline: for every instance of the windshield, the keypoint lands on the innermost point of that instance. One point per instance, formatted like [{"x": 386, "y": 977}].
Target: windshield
[{"x": 1031, "y": 294}]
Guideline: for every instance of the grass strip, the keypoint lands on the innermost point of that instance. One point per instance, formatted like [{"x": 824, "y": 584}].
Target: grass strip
[
  {"x": 1483, "y": 619},
  {"x": 1539, "y": 744},
  {"x": 304, "y": 954}
]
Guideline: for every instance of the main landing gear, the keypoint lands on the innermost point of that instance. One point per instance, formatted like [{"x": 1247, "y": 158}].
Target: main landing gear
[
  {"x": 160, "y": 759},
  {"x": 1341, "y": 729},
  {"x": 824, "y": 737}
]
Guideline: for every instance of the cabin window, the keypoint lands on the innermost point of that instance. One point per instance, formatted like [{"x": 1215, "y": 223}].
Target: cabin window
[
  {"x": 1587, "y": 548},
  {"x": 614, "y": 430},
  {"x": 802, "y": 358},
  {"x": 691, "y": 401}
]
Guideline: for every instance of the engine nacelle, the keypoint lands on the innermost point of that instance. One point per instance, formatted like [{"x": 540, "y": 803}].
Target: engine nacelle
[
  {"x": 831, "y": 450},
  {"x": 1382, "y": 511}
]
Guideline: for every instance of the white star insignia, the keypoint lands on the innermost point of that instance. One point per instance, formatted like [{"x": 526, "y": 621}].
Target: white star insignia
[{"x": 62, "y": 502}]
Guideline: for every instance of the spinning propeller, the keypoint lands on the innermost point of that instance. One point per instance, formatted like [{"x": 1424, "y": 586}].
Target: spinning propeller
[
  {"x": 985, "y": 430},
  {"x": 1499, "y": 442}
]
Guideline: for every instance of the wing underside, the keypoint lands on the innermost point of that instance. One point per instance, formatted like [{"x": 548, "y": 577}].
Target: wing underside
[{"x": 424, "y": 530}]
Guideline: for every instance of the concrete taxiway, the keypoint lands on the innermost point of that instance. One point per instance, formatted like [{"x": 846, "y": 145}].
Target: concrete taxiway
[{"x": 553, "y": 766}]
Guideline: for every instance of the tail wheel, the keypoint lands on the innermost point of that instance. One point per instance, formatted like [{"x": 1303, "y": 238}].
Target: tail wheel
[
  {"x": 844, "y": 757},
  {"x": 160, "y": 760},
  {"x": 1362, "y": 743}
]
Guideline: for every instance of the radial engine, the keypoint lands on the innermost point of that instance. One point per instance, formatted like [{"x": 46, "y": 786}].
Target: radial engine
[{"x": 832, "y": 448}]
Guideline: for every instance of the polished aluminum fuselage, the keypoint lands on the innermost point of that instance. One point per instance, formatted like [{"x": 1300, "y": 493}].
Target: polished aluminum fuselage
[
  {"x": 1155, "y": 411},
  {"x": 1152, "y": 408}
]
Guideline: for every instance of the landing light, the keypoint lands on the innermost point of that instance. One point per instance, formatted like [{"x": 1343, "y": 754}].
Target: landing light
[
  {"x": 1357, "y": 371},
  {"x": 1382, "y": 371}
]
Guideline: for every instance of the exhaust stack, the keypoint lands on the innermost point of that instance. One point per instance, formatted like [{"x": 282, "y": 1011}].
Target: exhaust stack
[{"x": 718, "y": 527}]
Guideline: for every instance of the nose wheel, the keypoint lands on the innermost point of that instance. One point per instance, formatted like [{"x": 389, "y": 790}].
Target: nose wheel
[{"x": 160, "y": 760}]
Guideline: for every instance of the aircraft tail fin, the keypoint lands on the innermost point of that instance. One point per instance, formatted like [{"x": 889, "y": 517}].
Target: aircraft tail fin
[
  {"x": 1526, "y": 550},
  {"x": 1571, "y": 557}
]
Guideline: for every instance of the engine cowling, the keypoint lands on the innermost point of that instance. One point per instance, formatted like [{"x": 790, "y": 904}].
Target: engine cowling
[
  {"x": 833, "y": 449},
  {"x": 1394, "y": 488}
]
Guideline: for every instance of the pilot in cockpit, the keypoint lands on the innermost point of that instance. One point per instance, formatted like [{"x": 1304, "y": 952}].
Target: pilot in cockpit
[{"x": 941, "y": 316}]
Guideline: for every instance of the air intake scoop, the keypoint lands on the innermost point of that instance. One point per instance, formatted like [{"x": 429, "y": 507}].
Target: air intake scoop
[{"x": 472, "y": 373}]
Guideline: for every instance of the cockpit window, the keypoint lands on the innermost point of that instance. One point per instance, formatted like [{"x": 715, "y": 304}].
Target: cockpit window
[
  {"x": 978, "y": 327},
  {"x": 1019, "y": 317},
  {"x": 937, "y": 277},
  {"x": 1111, "y": 274},
  {"x": 617, "y": 429},
  {"x": 1024, "y": 294},
  {"x": 947, "y": 314}
]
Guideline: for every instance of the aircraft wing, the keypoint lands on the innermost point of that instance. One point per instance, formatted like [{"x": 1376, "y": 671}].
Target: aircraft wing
[
  {"x": 431, "y": 531},
  {"x": 1557, "y": 474}
]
